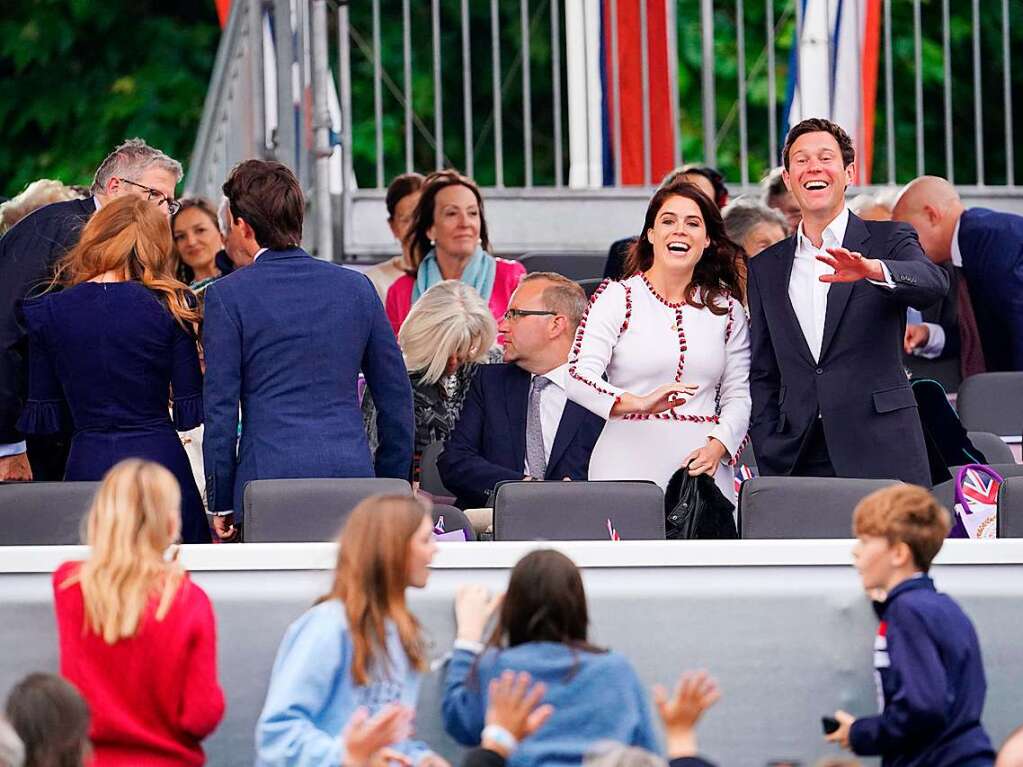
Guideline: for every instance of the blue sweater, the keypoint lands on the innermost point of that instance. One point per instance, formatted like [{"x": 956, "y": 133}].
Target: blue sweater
[
  {"x": 931, "y": 679},
  {"x": 312, "y": 694},
  {"x": 596, "y": 696}
]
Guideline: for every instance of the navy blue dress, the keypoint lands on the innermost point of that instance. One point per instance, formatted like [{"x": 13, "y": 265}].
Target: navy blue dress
[{"x": 105, "y": 359}]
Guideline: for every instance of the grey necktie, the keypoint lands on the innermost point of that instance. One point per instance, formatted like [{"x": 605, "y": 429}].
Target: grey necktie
[{"x": 536, "y": 456}]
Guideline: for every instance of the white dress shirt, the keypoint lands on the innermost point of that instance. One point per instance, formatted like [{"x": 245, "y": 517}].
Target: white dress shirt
[
  {"x": 809, "y": 296},
  {"x": 552, "y": 406},
  {"x": 936, "y": 340}
]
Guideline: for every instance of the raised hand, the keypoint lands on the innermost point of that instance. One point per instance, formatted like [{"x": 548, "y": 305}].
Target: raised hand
[
  {"x": 694, "y": 693},
  {"x": 850, "y": 266},
  {"x": 473, "y": 608}
]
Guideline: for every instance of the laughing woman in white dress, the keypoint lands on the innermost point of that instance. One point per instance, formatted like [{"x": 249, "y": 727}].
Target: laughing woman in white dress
[{"x": 664, "y": 354}]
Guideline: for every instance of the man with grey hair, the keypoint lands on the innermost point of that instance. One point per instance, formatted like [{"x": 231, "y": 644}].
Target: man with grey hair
[
  {"x": 28, "y": 253},
  {"x": 12, "y": 750},
  {"x": 517, "y": 422},
  {"x": 752, "y": 225}
]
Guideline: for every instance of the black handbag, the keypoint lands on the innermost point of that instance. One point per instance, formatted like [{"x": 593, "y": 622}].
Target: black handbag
[{"x": 695, "y": 507}]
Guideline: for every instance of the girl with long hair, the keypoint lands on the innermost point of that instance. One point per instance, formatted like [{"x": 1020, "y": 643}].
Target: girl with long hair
[
  {"x": 109, "y": 350},
  {"x": 673, "y": 342},
  {"x": 358, "y": 651},
  {"x": 543, "y": 629},
  {"x": 447, "y": 240},
  {"x": 131, "y": 623}
]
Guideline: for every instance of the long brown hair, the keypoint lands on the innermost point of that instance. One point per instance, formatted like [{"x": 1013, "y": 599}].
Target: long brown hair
[
  {"x": 545, "y": 602},
  {"x": 371, "y": 577},
  {"x": 716, "y": 274},
  {"x": 416, "y": 240},
  {"x": 132, "y": 236}
]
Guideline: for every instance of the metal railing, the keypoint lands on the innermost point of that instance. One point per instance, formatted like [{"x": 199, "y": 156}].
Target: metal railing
[{"x": 513, "y": 92}]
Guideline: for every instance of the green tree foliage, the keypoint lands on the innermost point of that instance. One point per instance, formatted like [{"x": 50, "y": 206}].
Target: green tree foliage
[{"x": 79, "y": 76}]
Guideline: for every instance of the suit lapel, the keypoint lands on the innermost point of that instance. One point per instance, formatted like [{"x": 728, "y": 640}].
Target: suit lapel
[
  {"x": 786, "y": 257},
  {"x": 516, "y": 400},
  {"x": 857, "y": 239},
  {"x": 571, "y": 419}
]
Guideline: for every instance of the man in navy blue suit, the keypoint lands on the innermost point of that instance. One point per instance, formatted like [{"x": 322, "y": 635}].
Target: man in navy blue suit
[
  {"x": 28, "y": 253},
  {"x": 285, "y": 338},
  {"x": 516, "y": 422},
  {"x": 985, "y": 249},
  {"x": 827, "y": 320}
]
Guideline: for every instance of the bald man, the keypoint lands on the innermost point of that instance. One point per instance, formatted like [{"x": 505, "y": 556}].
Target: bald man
[{"x": 985, "y": 248}]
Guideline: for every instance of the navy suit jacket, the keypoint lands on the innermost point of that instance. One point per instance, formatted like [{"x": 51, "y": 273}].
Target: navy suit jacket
[
  {"x": 488, "y": 444},
  {"x": 27, "y": 256},
  {"x": 286, "y": 338},
  {"x": 859, "y": 386},
  {"x": 991, "y": 244}
]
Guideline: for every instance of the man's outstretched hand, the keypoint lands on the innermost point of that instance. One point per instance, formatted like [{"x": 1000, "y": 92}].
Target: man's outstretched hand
[{"x": 850, "y": 266}]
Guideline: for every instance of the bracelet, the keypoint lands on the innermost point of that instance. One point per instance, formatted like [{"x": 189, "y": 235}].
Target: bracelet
[{"x": 500, "y": 736}]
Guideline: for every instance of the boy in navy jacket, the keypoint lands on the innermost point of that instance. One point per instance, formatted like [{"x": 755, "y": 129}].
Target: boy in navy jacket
[{"x": 927, "y": 660}]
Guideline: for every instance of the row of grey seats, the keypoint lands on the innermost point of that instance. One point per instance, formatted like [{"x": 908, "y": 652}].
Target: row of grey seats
[{"x": 290, "y": 510}]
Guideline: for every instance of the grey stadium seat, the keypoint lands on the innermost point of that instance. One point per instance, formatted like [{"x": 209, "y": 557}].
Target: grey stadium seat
[
  {"x": 566, "y": 511},
  {"x": 576, "y": 265},
  {"x": 43, "y": 513},
  {"x": 303, "y": 510},
  {"x": 992, "y": 402},
  {"x": 992, "y": 446},
  {"x": 945, "y": 491},
  {"x": 590, "y": 286},
  {"x": 1010, "y": 508},
  {"x": 429, "y": 476},
  {"x": 801, "y": 507}
]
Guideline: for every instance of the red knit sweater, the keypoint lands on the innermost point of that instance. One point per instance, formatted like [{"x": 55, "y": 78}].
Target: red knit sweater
[{"x": 153, "y": 697}]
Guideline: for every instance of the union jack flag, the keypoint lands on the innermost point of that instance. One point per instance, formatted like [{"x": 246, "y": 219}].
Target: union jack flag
[{"x": 979, "y": 488}]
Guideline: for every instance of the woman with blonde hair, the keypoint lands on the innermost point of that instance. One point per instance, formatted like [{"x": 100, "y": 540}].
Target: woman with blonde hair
[
  {"x": 358, "y": 651},
  {"x": 449, "y": 331},
  {"x": 137, "y": 637},
  {"x": 108, "y": 351}
]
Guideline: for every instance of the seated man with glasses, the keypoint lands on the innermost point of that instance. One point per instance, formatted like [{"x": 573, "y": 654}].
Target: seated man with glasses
[
  {"x": 28, "y": 253},
  {"x": 516, "y": 422}
]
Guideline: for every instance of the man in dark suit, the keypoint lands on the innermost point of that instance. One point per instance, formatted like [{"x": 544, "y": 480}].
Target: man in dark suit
[
  {"x": 28, "y": 253},
  {"x": 285, "y": 338},
  {"x": 828, "y": 313},
  {"x": 517, "y": 422},
  {"x": 985, "y": 251}
]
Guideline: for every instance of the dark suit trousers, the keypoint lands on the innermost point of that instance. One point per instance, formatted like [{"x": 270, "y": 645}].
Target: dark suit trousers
[{"x": 814, "y": 460}]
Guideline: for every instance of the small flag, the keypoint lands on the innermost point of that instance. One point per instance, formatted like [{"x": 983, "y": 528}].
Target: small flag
[{"x": 611, "y": 532}]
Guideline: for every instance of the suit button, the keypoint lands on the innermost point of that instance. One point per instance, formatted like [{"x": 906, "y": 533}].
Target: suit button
[{"x": 819, "y": 371}]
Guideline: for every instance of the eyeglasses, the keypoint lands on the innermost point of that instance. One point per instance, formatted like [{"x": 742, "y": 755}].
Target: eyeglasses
[
  {"x": 514, "y": 314},
  {"x": 173, "y": 206}
]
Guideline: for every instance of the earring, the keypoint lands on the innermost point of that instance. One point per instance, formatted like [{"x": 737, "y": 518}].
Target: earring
[{"x": 433, "y": 243}]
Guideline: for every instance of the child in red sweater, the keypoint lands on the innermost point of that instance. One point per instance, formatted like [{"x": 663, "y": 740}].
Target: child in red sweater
[{"x": 137, "y": 637}]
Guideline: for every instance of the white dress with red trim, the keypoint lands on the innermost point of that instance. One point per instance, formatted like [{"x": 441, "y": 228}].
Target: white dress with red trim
[{"x": 641, "y": 341}]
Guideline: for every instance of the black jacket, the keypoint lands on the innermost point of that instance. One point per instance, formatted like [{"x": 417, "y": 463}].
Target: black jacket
[
  {"x": 488, "y": 444},
  {"x": 859, "y": 385},
  {"x": 28, "y": 253}
]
